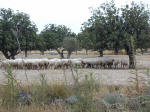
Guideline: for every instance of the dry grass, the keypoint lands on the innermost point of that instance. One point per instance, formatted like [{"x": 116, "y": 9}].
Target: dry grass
[
  {"x": 105, "y": 76},
  {"x": 110, "y": 81},
  {"x": 127, "y": 91},
  {"x": 58, "y": 90},
  {"x": 33, "y": 108},
  {"x": 80, "y": 54}
]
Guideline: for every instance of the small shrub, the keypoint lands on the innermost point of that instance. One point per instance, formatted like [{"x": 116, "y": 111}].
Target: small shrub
[
  {"x": 85, "y": 93},
  {"x": 133, "y": 104},
  {"x": 114, "y": 98}
]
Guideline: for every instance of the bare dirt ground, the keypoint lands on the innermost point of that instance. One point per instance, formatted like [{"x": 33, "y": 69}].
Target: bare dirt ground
[
  {"x": 105, "y": 76},
  {"x": 109, "y": 77}
]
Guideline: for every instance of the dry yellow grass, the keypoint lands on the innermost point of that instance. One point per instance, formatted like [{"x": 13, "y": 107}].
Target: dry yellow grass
[
  {"x": 33, "y": 108},
  {"x": 128, "y": 91}
]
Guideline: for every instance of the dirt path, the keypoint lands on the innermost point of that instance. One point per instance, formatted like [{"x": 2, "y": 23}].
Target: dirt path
[{"x": 110, "y": 77}]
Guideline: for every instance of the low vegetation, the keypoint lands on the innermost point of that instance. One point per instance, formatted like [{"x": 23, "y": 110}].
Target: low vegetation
[{"x": 82, "y": 96}]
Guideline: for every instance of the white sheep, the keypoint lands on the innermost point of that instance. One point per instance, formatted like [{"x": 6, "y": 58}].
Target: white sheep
[
  {"x": 117, "y": 63},
  {"x": 124, "y": 63}
]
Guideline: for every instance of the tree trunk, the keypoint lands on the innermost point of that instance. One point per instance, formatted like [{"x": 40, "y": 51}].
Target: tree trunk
[
  {"x": 26, "y": 53},
  {"x": 69, "y": 54},
  {"x": 6, "y": 55},
  {"x": 142, "y": 51},
  {"x": 116, "y": 51},
  {"x": 30, "y": 52},
  {"x": 13, "y": 57},
  {"x": 132, "y": 62},
  {"x": 61, "y": 55},
  {"x": 10, "y": 54},
  {"x": 76, "y": 52},
  {"x": 42, "y": 52},
  {"x": 60, "y": 52},
  {"x": 127, "y": 49},
  {"x": 101, "y": 52},
  {"x": 86, "y": 51}
]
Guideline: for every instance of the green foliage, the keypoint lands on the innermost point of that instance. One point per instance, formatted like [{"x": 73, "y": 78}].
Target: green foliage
[
  {"x": 40, "y": 43},
  {"x": 85, "y": 39},
  {"x": 136, "y": 23},
  {"x": 17, "y": 33},
  {"x": 114, "y": 98},
  {"x": 54, "y": 35},
  {"x": 70, "y": 44},
  {"x": 110, "y": 27},
  {"x": 105, "y": 27}
]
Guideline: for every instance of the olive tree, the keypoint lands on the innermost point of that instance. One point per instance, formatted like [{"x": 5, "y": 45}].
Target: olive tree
[
  {"x": 70, "y": 44},
  {"x": 54, "y": 35}
]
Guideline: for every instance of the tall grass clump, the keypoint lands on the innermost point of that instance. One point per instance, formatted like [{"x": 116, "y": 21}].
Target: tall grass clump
[
  {"x": 45, "y": 93},
  {"x": 40, "y": 91},
  {"x": 9, "y": 89},
  {"x": 85, "y": 93},
  {"x": 140, "y": 102}
]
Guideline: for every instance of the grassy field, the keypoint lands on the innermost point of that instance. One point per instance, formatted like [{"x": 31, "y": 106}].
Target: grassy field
[
  {"x": 97, "y": 90},
  {"x": 85, "y": 93}
]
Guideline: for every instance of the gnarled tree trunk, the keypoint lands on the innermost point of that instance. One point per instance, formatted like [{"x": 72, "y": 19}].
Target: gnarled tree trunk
[
  {"x": 116, "y": 51},
  {"x": 26, "y": 53},
  {"x": 42, "y": 52},
  {"x": 10, "y": 55},
  {"x": 86, "y": 51},
  {"x": 101, "y": 52},
  {"x": 131, "y": 61},
  {"x": 69, "y": 54},
  {"x": 60, "y": 52}
]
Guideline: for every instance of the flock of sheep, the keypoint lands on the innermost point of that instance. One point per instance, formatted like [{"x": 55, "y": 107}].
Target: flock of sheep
[{"x": 98, "y": 63}]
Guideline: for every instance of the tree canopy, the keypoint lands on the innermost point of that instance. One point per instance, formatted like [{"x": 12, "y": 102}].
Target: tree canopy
[
  {"x": 108, "y": 28},
  {"x": 70, "y": 44},
  {"x": 54, "y": 35},
  {"x": 114, "y": 28},
  {"x": 17, "y": 32}
]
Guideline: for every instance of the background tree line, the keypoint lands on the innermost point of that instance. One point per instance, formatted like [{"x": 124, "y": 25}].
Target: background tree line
[
  {"x": 108, "y": 28},
  {"x": 18, "y": 33},
  {"x": 115, "y": 28}
]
